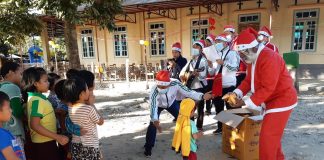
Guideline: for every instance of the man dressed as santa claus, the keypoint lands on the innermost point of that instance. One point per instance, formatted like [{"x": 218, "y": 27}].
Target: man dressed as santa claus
[
  {"x": 272, "y": 89},
  {"x": 264, "y": 36}
]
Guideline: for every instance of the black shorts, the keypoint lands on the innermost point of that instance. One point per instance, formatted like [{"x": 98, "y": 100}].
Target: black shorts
[{"x": 47, "y": 150}]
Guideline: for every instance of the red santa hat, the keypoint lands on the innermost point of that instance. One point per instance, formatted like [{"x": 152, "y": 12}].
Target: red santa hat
[
  {"x": 246, "y": 39},
  {"x": 201, "y": 43},
  {"x": 265, "y": 31},
  {"x": 229, "y": 28},
  {"x": 176, "y": 47},
  {"x": 211, "y": 38},
  {"x": 163, "y": 78},
  {"x": 222, "y": 37}
]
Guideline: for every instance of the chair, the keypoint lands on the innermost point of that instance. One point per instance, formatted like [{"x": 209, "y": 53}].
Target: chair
[
  {"x": 132, "y": 73},
  {"x": 113, "y": 76},
  {"x": 150, "y": 70}
]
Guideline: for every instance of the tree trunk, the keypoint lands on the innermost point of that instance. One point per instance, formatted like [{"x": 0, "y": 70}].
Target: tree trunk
[{"x": 72, "y": 45}]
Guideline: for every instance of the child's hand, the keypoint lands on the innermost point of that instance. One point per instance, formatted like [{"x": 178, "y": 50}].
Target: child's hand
[
  {"x": 200, "y": 133},
  {"x": 83, "y": 131},
  {"x": 62, "y": 140},
  {"x": 91, "y": 100},
  {"x": 157, "y": 125}
]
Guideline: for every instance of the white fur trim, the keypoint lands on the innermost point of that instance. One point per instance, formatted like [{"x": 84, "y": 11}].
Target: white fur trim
[
  {"x": 211, "y": 40},
  {"x": 238, "y": 92},
  {"x": 229, "y": 29},
  {"x": 221, "y": 38},
  {"x": 264, "y": 33},
  {"x": 241, "y": 47},
  {"x": 283, "y": 109},
  {"x": 249, "y": 103},
  {"x": 162, "y": 83},
  {"x": 176, "y": 49},
  {"x": 202, "y": 45}
]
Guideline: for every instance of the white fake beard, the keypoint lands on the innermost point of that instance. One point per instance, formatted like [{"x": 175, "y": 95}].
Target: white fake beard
[{"x": 251, "y": 57}]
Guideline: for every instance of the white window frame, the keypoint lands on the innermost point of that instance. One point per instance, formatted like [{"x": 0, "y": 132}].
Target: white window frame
[
  {"x": 249, "y": 15},
  {"x": 202, "y": 27},
  {"x": 87, "y": 47},
  {"x": 120, "y": 45},
  {"x": 158, "y": 49},
  {"x": 305, "y": 28}
]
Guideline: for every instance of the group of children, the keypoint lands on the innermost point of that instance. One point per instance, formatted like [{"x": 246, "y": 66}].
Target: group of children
[{"x": 58, "y": 127}]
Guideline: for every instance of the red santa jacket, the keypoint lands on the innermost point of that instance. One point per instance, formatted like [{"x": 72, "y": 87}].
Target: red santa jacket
[
  {"x": 273, "y": 84},
  {"x": 273, "y": 47}
]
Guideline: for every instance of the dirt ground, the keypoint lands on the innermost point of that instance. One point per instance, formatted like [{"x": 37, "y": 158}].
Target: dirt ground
[{"x": 126, "y": 115}]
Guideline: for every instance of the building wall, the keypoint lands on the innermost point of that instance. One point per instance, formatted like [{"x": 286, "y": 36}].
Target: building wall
[{"x": 180, "y": 31}]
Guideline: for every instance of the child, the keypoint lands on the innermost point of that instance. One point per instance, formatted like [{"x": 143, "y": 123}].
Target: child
[
  {"x": 52, "y": 79},
  {"x": 186, "y": 132},
  {"x": 76, "y": 93},
  {"x": 11, "y": 73},
  {"x": 9, "y": 148},
  {"x": 41, "y": 117}
]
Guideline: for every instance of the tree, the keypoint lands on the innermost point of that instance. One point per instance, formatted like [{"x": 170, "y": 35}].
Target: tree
[
  {"x": 78, "y": 12},
  {"x": 17, "y": 22}
]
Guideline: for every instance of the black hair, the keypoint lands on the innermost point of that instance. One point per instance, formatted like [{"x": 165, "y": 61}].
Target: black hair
[
  {"x": 72, "y": 73},
  {"x": 72, "y": 88},
  {"x": 3, "y": 97},
  {"x": 58, "y": 89},
  {"x": 8, "y": 66},
  {"x": 29, "y": 78},
  {"x": 52, "y": 78},
  {"x": 88, "y": 77}
]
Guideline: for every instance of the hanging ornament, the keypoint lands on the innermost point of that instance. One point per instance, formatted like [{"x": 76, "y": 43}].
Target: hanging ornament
[{"x": 212, "y": 22}]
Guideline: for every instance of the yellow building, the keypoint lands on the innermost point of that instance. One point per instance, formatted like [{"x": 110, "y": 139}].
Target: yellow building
[{"x": 296, "y": 25}]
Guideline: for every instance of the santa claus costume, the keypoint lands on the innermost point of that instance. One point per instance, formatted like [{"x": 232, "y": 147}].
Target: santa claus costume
[
  {"x": 266, "y": 32},
  {"x": 272, "y": 88}
]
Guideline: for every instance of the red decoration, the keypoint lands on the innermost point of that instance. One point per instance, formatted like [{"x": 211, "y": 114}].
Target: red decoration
[{"x": 212, "y": 22}]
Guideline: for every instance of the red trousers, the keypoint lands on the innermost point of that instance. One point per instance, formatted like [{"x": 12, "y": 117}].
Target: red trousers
[
  {"x": 192, "y": 156},
  {"x": 272, "y": 129}
]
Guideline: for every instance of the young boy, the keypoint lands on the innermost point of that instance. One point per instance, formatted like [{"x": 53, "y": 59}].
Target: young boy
[
  {"x": 11, "y": 73},
  {"x": 186, "y": 132},
  {"x": 9, "y": 148}
]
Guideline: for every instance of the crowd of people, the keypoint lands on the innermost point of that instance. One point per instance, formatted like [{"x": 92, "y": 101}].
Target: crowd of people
[
  {"x": 221, "y": 72},
  {"x": 61, "y": 126}
]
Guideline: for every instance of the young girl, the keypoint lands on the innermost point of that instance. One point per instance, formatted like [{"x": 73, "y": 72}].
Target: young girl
[
  {"x": 186, "y": 132},
  {"x": 86, "y": 146},
  {"x": 41, "y": 116}
]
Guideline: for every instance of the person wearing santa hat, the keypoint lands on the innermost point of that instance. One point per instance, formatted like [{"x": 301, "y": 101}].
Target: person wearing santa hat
[
  {"x": 232, "y": 37},
  {"x": 272, "y": 89},
  {"x": 177, "y": 62},
  {"x": 227, "y": 67},
  {"x": 264, "y": 36},
  {"x": 163, "y": 97},
  {"x": 198, "y": 66},
  {"x": 210, "y": 40}
]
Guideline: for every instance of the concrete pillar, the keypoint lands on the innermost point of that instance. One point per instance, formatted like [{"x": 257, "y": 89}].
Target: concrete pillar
[{"x": 45, "y": 45}]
